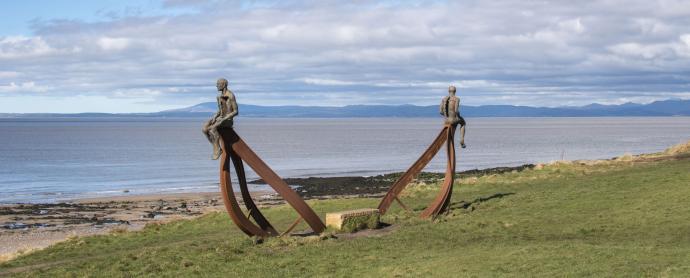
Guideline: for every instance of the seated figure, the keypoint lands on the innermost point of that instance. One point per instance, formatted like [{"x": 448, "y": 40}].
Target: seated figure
[
  {"x": 450, "y": 109},
  {"x": 227, "y": 110}
]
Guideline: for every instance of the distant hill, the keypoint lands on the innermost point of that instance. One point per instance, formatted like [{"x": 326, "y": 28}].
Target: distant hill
[{"x": 671, "y": 107}]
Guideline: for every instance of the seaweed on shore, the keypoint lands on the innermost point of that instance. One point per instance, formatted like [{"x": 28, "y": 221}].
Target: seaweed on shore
[{"x": 315, "y": 187}]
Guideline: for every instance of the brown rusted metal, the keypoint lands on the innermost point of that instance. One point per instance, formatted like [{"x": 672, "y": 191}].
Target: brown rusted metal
[
  {"x": 442, "y": 200},
  {"x": 237, "y": 151},
  {"x": 231, "y": 204},
  {"x": 253, "y": 210},
  {"x": 401, "y": 204},
  {"x": 294, "y": 224}
]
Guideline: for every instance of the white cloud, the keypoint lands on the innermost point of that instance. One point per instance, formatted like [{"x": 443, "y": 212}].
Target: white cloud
[
  {"x": 8, "y": 74},
  {"x": 679, "y": 48},
  {"x": 640, "y": 50},
  {"x": 24, "y": 87},
  {"x": 573, "y": 25},
  {"x": 331, "y": 52},
  {"x": 137, "y": 93},
  {"x": 683, "y": 48},
  {"x": 23, "y": 47},
  {"x": 476, "y": 84},
  {"x": 327, "y": 82},
  {"x": 653, "y": 27},
  {"x": 107, "y": 43}
]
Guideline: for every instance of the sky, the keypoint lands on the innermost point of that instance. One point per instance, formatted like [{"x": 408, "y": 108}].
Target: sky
[{"x": 143, "y": 56}]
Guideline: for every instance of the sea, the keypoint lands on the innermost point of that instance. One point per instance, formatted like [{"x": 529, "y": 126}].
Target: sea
[{"x": 58, "y": 159}]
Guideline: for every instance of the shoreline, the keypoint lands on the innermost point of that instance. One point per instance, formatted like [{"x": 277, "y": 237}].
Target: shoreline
[
  {"x": 313, "y": 187},
  {"x": 27, "y": 227},
  {"x": 30, "y": 226}
]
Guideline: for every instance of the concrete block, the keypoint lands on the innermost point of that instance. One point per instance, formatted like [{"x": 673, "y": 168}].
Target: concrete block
[{"x": 353, "y": 220}]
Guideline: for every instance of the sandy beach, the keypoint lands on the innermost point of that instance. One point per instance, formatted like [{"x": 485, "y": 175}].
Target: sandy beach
[{"x": 26, "y": 227}]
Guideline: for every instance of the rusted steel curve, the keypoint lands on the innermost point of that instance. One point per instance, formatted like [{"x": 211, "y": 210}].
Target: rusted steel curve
[
  {"x": 254, "y": 211},
  {"x": 230, "y": 201},
  {"x": 234, "y": 147},
  {"x": 442, "y": 200},
  {"x": 413, "y": 171}
]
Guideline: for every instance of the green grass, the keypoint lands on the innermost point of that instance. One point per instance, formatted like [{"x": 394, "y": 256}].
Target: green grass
[
  {"x": 610, "y": 219},
  {"x": 362, "y": 222}
]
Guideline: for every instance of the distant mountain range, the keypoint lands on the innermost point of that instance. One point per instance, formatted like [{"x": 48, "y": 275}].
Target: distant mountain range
[{"x": 671, "y": 107}]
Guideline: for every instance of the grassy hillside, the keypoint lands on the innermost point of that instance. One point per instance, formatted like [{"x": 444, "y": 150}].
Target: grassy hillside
[{"x": 628, "y": 217}]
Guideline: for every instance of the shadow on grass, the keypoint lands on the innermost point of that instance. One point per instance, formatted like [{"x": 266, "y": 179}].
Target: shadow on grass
[{"x": 466, "y": 205}]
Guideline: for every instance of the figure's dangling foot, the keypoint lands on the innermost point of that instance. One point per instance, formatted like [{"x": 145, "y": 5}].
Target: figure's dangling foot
[
  {"x": 462, "y": 144},
  {"x": 217, "y": 151}
]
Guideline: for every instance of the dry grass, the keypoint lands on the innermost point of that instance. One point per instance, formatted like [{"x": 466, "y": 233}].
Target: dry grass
[{"x": 678, "y": 149}]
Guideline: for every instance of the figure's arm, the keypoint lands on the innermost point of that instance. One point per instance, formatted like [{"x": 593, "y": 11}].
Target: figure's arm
[
  {"x": 442, "y": 107},
  {"x": 457, "y": 106},
  {"x": 230, "y": 103},
  {"x": 233, "y": 105}
]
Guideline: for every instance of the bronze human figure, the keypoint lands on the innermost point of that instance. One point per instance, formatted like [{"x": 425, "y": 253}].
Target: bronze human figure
[
  {"x": 450, "y": 108},
  {"x": 227, "y": 110}
]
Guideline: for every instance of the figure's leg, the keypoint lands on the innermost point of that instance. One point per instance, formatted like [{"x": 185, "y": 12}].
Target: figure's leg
[
  {"x": 462, "y": 136},
  {"x": 217, "y": 150},
  {"x": 207, "y": 130},
  {"x": 462, "y": 132}
]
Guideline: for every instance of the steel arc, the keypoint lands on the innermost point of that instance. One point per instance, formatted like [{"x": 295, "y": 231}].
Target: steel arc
[
  {"x": 235, "y": 150},
  {"x": 442, "y": 200}
]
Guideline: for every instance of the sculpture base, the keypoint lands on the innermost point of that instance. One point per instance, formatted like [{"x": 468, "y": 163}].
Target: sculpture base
[{"x": 353, "y": 220}]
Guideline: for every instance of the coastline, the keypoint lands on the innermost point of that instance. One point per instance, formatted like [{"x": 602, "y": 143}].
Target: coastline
[{"x": 27, "y": 227}]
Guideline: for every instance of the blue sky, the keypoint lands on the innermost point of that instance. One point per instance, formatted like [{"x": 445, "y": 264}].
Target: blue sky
[
  {"x": 17, "y": 16},
  {"x": 140, "y": 56}
]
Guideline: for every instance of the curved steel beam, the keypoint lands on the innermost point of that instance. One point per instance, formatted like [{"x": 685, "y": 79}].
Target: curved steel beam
[
  {"x": 236, "y": 149},
  {"x": 254, "y": 211},
  {"x": 230, "y": 201},
  {"x": 442, "y": 200}
]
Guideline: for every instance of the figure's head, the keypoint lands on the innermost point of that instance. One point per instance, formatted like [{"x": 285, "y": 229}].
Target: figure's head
[
  {"x": 221, "y": 84},
  {"x": 451, "y": 90}
]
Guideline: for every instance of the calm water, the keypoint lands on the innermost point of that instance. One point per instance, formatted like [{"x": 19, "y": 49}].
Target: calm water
[{"x": 49, "y": 160}]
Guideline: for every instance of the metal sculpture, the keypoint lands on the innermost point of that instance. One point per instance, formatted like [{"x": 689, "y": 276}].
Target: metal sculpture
[
  {"x": 442, "y": 200},
  {"x": 235, "y": 150},
  {"x": 228, "y": 145},
  {"x": 449, "y": 109},
  {"x": 231, "y": 148}
]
